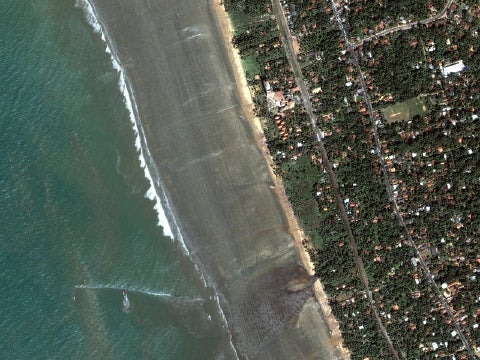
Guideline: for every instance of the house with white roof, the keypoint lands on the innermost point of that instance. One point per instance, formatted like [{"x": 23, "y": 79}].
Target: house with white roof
[{"x": 453, "y": 68}]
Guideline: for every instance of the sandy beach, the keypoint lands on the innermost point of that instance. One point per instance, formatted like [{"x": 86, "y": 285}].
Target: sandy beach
[
  {"x": 208, "y": 153},
  {"x": 294, "y": 228}
]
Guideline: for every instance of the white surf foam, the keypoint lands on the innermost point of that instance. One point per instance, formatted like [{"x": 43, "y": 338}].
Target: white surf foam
[
  {"x": 129, "y": 99},
  {"x": 137, "y": 291},
  {"x": 120, "y": 288}
]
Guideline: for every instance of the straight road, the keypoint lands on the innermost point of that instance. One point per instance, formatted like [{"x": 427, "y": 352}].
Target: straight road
[
  {"x": 288, "y": 46},
  {"x": 443, "y": 300}
]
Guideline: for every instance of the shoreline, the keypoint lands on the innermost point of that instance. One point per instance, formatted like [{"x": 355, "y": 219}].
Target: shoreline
[
  {"x": 226, "y": 28},
  {"x": 159, "y": 198},
  {"x": 213, "y": 160}
]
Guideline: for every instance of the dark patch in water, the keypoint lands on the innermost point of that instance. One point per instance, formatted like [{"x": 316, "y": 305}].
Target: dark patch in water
[{"x": 269, "y": 303}]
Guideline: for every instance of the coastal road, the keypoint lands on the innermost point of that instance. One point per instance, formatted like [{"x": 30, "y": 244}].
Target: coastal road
[
  {"x": 389, "y": 186},
  {"x": 292, "y": 58}
]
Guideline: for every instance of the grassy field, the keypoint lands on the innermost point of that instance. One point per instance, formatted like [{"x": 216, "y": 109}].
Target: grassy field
[
  {"x": 251, "y": 66},
  {"x": 405, "y": 110}
]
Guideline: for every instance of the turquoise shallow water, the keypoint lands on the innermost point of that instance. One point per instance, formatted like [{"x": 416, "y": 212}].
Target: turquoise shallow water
[{"x": 75, "y": 226}]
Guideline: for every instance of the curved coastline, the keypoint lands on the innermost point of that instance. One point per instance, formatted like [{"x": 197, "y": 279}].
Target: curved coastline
[{"x": 241, "y": 285}]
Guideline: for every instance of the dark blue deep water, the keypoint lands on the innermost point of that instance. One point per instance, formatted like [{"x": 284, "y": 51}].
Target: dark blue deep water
[{"x": 75, "y": 225}]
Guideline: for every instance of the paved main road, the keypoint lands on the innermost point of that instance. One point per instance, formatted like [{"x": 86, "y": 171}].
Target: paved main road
[
  {"x": 292, "y": 58},
  {"x": 389, "y": 186}
]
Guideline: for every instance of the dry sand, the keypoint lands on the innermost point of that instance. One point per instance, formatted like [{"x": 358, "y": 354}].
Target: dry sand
[
  {"x": 231, "y": 211},
  {"x": 256, "y": 124}
]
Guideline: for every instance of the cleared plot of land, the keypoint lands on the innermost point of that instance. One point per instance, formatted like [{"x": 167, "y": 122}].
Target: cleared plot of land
[
  {"x": 405, "y": 110},
  {"x": 251, "y": 65}
]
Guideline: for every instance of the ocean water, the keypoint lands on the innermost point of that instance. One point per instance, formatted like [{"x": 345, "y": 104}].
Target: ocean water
[{"x": 77, "y": 220}]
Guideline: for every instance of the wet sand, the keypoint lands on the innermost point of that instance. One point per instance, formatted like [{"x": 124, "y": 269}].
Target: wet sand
[
  {"x": 207, "y": 148},
  {"x": 296, "y": 231}
]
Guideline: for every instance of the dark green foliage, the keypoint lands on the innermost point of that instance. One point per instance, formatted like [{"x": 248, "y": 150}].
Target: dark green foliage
[
  {"x": 432, "y": 161},
  {"x": 251, "y": 8}
]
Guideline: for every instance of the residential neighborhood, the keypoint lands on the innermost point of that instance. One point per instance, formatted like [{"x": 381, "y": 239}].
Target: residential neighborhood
[{"x": 370, "y": 112}]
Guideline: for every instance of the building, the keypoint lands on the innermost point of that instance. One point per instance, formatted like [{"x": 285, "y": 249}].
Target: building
[{"x": 453, "y": 68}]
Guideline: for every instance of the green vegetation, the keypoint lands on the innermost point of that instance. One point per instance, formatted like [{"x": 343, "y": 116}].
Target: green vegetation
[
  {"x": 251, "y": 66},
  {"x": 405, "y": 110},
  {"x": 429, "y": 164},
  {"x": 378, "y": 15}
]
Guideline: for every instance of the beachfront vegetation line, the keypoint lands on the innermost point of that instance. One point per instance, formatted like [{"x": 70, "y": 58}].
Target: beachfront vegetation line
[{"x": 426, "y": 123}]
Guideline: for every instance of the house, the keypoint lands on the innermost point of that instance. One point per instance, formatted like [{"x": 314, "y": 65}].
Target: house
[{"x": 453, "y": 68}]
